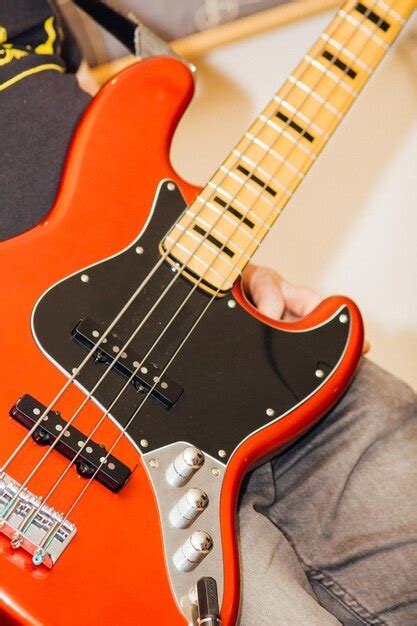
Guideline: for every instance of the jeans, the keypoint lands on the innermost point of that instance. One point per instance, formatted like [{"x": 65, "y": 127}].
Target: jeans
[{"x": 328, "y": 528}]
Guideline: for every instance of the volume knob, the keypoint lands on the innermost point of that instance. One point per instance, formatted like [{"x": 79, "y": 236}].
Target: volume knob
[
  {"x": 184, "y": 466},
  {"x": 193, "y": 551},
  {"x": 188, "y": 508}
]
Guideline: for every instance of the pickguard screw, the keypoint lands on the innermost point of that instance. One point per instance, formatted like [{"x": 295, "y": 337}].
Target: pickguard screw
[
  {"x": 139, "y": 250},
  {"x": 231, "y": 304},
  {"x": 215, "y": 471},
  {"x": 144, "y": 443},
  {"x": 153, "y": 463},
  {"x": 85, "y": 278},
  {"x": 343, "y": 318},
  {"x": 170, "y": 186},
  {"x": 319, "y": 373},
  {"x": 270, "y": 412},
  {"x": 222, "y": 453}
]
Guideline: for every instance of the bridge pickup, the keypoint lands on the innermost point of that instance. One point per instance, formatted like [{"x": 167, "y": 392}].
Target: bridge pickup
[
  {"x": 113, "y": 474},
  {"x": 87, "y": 333}
]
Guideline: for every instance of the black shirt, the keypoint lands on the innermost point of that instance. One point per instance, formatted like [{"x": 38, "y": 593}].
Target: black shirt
[{"x": 40, "y": 103}]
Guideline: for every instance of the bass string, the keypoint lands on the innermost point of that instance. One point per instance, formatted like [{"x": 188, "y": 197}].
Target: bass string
[
  {"x": 111, "y": 326},
  {"x": 123, "y": 431},
  {"x": 78, "y": 369},
  {"x": 146, "y": 280}
]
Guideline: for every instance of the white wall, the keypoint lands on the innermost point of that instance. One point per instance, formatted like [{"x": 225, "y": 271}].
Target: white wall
[{"x": 352, "y": 226}]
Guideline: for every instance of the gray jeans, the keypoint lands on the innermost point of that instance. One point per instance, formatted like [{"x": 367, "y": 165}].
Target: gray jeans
[{"x": 328, "y": 529}]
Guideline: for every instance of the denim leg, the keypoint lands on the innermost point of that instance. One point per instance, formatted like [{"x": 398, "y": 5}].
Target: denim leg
[
  {"x": 344, "y": 497},
  {"x": 275, "y": 590}
]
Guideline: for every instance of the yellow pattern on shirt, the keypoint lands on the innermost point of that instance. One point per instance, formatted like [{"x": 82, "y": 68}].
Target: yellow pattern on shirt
[{"x": 8, "y": 53}]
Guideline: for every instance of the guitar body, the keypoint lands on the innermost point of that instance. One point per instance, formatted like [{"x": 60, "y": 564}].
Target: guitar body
[{"x": 247, "y": 385}]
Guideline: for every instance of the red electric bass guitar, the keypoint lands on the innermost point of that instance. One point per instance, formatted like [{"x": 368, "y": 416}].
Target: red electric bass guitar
[{"x": 138, "y": 383}]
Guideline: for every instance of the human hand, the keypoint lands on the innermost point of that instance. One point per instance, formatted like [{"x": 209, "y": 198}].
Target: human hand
[{"x": 277, "y": 298}]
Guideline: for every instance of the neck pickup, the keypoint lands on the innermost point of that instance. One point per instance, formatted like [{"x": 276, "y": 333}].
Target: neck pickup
[{"x": 145, "y": 376}]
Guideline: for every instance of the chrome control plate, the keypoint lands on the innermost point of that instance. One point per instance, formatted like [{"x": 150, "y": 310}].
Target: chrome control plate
[
  {"x": 209, "y": 479},
  {"x": 15, "y": 511}
]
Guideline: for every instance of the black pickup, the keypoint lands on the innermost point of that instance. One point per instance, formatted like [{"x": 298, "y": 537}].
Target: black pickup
[
  {"x": 145, "y": 375},
  {"x": 112, "y": 473}
]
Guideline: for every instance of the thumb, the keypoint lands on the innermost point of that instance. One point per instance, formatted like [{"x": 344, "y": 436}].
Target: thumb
[{"x": 263, "y": 285}]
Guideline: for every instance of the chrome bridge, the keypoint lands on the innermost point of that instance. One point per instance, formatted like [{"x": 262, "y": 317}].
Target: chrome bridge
[{"x": 44, "y": 535}]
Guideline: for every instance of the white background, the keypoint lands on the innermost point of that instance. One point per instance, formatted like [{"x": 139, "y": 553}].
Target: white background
[{"x": 352, "y": 226}]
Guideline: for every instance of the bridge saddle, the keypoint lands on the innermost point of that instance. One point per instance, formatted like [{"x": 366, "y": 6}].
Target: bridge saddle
[{"x": 44, "y": 534}]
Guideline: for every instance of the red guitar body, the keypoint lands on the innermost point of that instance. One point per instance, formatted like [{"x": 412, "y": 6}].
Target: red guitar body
[{"x": 114, "y": 571}]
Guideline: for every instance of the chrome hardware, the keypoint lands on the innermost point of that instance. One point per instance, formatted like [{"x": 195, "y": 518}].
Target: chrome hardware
[
  {"x": 48, "y": 524},
  {"x": 184, "y": 466},
  {"x": 188, "y": 508},
  {"x": 193, "y": 551},
  {"x": 210, "y": 483},
  {"x": 208, "y": 602}
]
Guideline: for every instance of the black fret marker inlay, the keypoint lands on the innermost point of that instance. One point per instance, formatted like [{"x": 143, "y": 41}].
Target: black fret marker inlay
[
  {"x": 257, "y": 180},
  {"x": 338, "y": 63},
  {"x": 234, "y": 212},
  {"x": 372, "y": 17},
  {"x": 213, "y": 240},
  {"x": 299, "y": 129}
]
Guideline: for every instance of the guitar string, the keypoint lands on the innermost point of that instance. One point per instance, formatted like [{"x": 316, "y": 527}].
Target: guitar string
[
  {"x": 53, "y": 532},
  {"x": 258, "y": 195},
  {"x": 73, "y": 376},
  {"x": 130, "y": 301},
  {"x": 278, "y": 168}
]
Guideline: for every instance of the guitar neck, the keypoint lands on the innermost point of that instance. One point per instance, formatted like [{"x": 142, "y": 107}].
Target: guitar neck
[{"x": 220, "y": 231}]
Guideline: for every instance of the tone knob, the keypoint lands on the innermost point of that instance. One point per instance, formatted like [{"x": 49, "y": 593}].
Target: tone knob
[
  {"x": 188, "y": 508},
  {"x": 184, "y": 466},
  {"x": 193, "y": 551}
]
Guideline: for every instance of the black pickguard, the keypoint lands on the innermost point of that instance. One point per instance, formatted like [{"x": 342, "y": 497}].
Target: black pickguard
[{"x": 232, "y": 368}]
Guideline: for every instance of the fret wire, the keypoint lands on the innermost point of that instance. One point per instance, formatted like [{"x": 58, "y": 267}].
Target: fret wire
[
  {"x": 239, "y": 203},
  {"x": 248, "y": 186},
  {"x": 389, "y": 11},
  {"x": 218, "y": 232},
  {"x": 302, "y": 117},
  {"x": 208, "y": 244},
  {"x": 260, "y": 193},
  {"x": 287, "y": 135},
  {"x": 319, "y": 66},
  {"x": 364, "y": 29},
  {"x": 275, "y": 181},
  {"x": 275, "y": 154},
  {"x": 347, "y": 53},
  {"x": 299, "y": 83},
  {"x": 208, "y": 266},
  {"x": 231, "y": 221}
]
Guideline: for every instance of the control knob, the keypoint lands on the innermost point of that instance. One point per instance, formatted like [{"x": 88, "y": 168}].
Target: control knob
[
  {"x": 193, "y": 551},
  {"x": 184, "y": 466},
  {"x": 188, "y": 508}
]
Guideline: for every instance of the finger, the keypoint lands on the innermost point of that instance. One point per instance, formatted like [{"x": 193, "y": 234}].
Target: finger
[
  {"x": 299, "y": 301},
  {"x": 366, "y": 347},
  {"x": 264, "y": 287}
]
